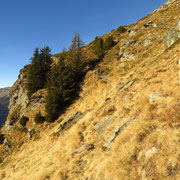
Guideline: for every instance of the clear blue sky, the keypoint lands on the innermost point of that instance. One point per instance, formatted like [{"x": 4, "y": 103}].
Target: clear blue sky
[{"x": 26, "y": 24}]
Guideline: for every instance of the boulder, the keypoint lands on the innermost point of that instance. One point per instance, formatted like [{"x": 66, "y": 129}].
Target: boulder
[
  {"x": 116, "y": 132},
  {"x": 69, "y": 121},
  {"x": 172, "y": 36},
  {"x": 102, "y": 126}
]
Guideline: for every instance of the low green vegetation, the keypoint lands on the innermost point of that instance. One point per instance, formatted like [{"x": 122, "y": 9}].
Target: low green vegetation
[
  {"x": 39, "y": 119},
  {"x": 100, "y": 46},
  {"x": 23, "y": 121},
  {"x": 121, "y": 29}
]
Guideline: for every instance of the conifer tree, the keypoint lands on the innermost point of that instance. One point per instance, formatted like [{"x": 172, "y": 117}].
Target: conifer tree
[
  {"x": 98, "y": 47},
  {"x": 38, "y": 70},
  {"x": 61, "y": 86},
  {"x": 76, "y": 58}
]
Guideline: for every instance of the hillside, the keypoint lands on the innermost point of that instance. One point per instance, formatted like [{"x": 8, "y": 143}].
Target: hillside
[
  {"x": 124, "y": 125},
  {"x": 4, "y": 102}
]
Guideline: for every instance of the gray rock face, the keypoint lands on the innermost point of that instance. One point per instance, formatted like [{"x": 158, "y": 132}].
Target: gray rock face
[
  {"x": 172, "y": 36},
  {"x": 116, "y": 132},
  {"x": 123, "y": 54},
  {"x": 18, "y": 96},
  {"x": 69, "y": 121},
  {"x": 102, "y": 126}
]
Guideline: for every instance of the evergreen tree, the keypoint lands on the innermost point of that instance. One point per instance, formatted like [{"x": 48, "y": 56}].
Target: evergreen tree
[
  {"x": 38, "y": 70},
  {"x": 76, "y": 58},
  {"x": 32, "y": 85},
  {"x": 61, "y": 86},
  {"x": 98, "y": 47}
]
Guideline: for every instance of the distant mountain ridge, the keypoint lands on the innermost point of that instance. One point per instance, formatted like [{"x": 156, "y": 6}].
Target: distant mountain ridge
[{"x": 4, "y": 102}]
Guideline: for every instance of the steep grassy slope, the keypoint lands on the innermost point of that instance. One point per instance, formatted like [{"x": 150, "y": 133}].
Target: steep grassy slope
[{"x": 128, "y": 121}]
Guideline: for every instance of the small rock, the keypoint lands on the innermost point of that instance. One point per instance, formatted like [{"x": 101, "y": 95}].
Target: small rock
[
  {"x": 126, "y": 99},
  {"x": 151, "y": 151},
  {"x": 82, "y": 164},
  {"x": 85, "y": 177},
  {"x": 148, "y": 24},
  {"x": 146, "y": 42},
  {"x": 155, "y": 96},
  {"x": 9, "y": 125},
  {"x": 126, "y": 86},
  {"x": 104, "y": 78},
  {"x": 31, "y": 132},
  {"x": 82, "y": 148},
  {"x": 132, "y": 33}
]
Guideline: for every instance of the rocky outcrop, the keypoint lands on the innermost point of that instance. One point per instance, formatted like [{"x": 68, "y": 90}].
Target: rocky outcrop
[
  {"x": 69, "y": 121},
  {"x": 4, "y": 101},
  {"x": 116, "y": 132},
  {"x": 172, "y": 36},
  {"x": 18, "y": 94},
  {"x": 20, "y": 105}
]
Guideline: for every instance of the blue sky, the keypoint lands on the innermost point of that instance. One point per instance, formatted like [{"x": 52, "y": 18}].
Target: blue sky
[{"x": 26, "y": 24}]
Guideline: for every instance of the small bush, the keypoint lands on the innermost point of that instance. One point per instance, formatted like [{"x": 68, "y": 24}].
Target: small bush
[
  {"x": 98, "y": 46},
  {"x": 108, "y": 43},
  {"x": 121, "y": 29},
  {"x": 39, "y": 119},
  {"x": 23, "y": 120}
]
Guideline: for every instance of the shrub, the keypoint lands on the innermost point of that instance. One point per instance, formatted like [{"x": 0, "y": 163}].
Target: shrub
[
  {"x": 23, "y": 120},
  {"x": 98, "y": 46},
  {"x": 121, "y": 29},
  {"x": 39, "y": 119},
  {"x": 108, "y": 43}
]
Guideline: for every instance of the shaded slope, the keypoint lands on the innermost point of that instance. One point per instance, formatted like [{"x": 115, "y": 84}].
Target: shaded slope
[{"x": 4, "y": 102}]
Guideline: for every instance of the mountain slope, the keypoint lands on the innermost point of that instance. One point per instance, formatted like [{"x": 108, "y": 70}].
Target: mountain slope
[
  {"x": 4, "y": 102},
  {"x": 125, "y": 125}
]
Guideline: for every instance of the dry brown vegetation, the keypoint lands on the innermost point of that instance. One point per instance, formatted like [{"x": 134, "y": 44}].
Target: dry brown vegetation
[{"x": 147, "y": 149}]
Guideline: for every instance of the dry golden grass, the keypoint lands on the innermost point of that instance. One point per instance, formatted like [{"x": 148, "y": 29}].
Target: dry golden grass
[{"x": 157, "y": 124}]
